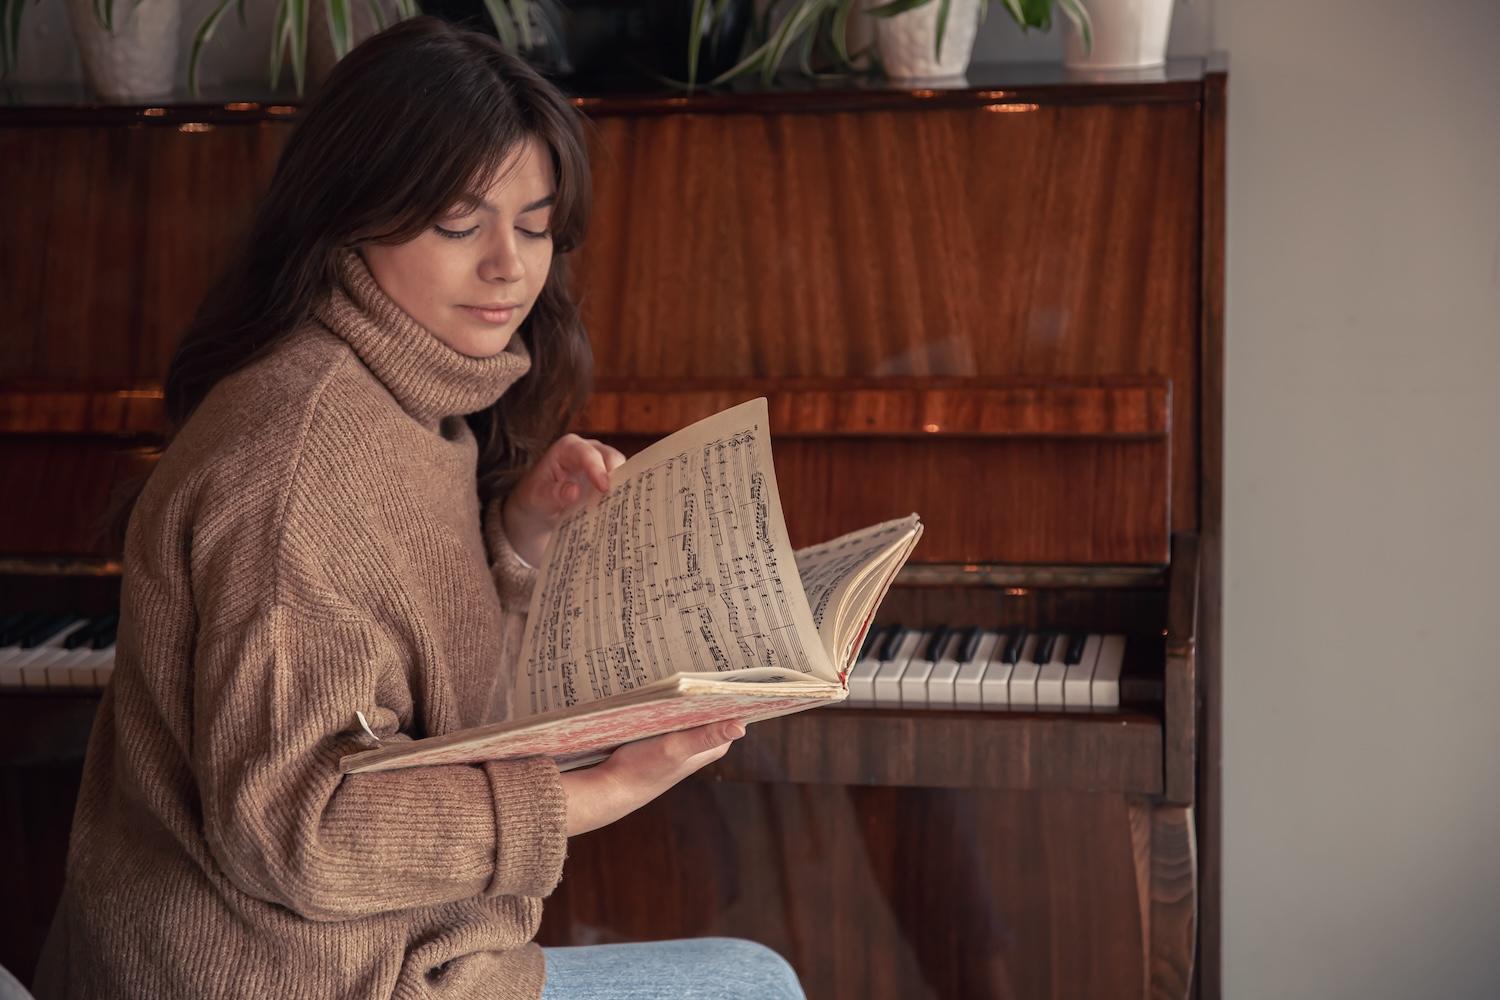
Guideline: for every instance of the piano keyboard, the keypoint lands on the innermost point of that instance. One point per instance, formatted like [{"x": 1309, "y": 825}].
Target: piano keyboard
[
  {"x": 46, "y": 651},
  {"x": 980, "y": 669},
  {"x": 972, "y": 669}
]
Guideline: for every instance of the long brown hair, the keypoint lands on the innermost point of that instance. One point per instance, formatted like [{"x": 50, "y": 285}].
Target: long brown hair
[{"x": 405, "y": 123}]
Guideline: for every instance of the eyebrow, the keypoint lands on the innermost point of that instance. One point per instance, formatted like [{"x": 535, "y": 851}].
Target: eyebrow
[{"x": 469, "y": 198}]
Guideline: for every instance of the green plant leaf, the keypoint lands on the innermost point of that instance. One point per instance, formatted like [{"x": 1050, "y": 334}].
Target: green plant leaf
[
  {"x": 1013, "y": 7},
  {"x": 504, "y": 27},
  {"x": 840, "y": 32},
  {"x": 340, "y": 27},
  {"x": 200, "y": 38},
  {"x": 895, "y": 7},
  {"x": 791, "y": 29},
  {"x": 104, "y": 13},
  {"x": 377, "y": 13},
  {"x": 805, "y": 50},
  {"x": 745, "y": 65},
  {"x": 297, "y": 12},
  {"x": 1079, "y": 15},
  {"x": 281, "y": 30},
  {"x": 520, "y": 10},
  {"x": 942, "y": 28},
  {"x": 695, "y": 40},
  {"x": 1038, "y": 13},
  {"x": 10, "y": 33}
]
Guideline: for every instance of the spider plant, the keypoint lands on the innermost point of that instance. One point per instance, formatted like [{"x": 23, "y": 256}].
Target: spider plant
[
  {"x": 513, "y": 20},
  {"x": 10, "y": 33},
  {"x": 807, "y": 23}
]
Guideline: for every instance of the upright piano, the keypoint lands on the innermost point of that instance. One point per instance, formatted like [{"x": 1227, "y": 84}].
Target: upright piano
[{"x": 997, "y": 303}]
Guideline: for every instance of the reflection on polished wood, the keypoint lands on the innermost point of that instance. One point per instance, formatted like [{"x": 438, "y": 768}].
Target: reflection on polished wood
[{"x": 1008, "y": 322}]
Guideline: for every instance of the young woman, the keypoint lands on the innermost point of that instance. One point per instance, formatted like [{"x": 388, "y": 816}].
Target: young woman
[{"x": 367, "y": 460}]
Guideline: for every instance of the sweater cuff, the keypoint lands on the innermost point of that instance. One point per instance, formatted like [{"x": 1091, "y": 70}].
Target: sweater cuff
[
  {"x": 531, "y": 826},
  {"x": 514, "y": 577}
]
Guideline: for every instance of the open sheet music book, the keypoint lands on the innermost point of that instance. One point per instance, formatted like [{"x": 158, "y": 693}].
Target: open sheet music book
[{"x": 676, "y": 600}]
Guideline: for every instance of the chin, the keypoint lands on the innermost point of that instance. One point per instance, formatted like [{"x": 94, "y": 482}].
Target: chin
[{"x": 480, "y": 345}]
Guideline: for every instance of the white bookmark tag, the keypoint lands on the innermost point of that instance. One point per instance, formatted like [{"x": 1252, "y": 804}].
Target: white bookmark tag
[{"x": 365, "y": 725}]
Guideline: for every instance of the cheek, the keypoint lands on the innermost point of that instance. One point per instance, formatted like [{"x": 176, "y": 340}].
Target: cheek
[{"x": 538, "y": 268}]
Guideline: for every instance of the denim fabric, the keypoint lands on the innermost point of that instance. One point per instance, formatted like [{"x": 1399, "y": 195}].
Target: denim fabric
[{"x": 689, "y": 969}]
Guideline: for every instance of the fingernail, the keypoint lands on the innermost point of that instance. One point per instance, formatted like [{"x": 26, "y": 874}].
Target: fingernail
[{"x": 736, "y": 730}]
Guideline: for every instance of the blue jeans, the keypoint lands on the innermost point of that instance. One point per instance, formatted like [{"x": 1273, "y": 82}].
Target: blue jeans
[{"x": 688, "y": 969}]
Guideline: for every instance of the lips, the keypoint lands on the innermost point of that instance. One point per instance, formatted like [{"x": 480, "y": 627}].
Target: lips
[{"x": 500, "y": 313}]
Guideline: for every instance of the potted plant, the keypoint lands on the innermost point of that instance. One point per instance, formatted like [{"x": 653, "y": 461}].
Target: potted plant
[
  {"x": 935, "y": 38},
  {"x": 332, "y": 27},
  {"x": 1128, "y": 34},
  {"x": 913, "y": 38},
  {"x": 131, "y": 55}
]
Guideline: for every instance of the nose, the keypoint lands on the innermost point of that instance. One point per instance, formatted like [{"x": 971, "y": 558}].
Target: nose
[{"x": 502, "y": 261}]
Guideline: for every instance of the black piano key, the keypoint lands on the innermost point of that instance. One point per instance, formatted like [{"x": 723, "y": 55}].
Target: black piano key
[
  {"x": 1013, "y": 646},
  {"x": 935, "y": 642},
  {"x": 1076, "y": 642},
  {"x": 83, "y": 636},
  {"x": 898, "y": 636},
  {"x": 47, "y": 630},
  {"x": 10, "y": 620},
  {"x": 881, "y": 640},
  {"x": 105, "y": 638},
  {"x": 28, "y": 620},
  {"x": 1044, "y": 647},
  {"x": 864, "y": 647},
  {"x": 970, "y": 644}
]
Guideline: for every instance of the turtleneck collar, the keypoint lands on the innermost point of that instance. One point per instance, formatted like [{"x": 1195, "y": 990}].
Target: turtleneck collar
[{"x": 428, "y": 378}]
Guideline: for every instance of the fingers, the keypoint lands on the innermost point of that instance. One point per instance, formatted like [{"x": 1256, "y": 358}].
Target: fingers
[{"x": 594, "y": 460}]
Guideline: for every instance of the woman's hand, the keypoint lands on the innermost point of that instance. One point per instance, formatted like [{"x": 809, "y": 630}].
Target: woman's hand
[
  {"x": 638, "y": 772},
  {"x": 559, "y": 479}
]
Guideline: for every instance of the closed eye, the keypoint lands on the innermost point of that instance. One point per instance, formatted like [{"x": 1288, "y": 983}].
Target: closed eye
[{"x": 455, "y": 234}]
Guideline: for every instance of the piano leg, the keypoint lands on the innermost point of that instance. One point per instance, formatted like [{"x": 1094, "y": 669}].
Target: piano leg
[{"x": 1166, "y": 862}]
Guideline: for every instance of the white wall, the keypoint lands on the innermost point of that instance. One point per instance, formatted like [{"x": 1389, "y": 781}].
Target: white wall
[{"x": 1362, "y": 599}]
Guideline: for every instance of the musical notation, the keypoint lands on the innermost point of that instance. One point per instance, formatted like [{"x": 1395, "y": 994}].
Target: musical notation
[{"x": 681, "y": 567}]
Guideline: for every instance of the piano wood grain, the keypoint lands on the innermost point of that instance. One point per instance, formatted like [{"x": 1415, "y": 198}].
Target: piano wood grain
[{"x": 1104, "y": 752}]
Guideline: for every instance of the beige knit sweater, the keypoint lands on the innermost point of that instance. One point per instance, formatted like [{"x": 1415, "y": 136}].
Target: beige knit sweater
[{"x": 312, "y": 545}]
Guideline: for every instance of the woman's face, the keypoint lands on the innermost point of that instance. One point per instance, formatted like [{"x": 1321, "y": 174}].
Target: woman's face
[{"x": 473, "y": 277}]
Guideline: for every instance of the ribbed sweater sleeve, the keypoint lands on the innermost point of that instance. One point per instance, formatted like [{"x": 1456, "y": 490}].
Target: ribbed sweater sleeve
[
  {"x": 514, "y": 579},
  {"x": 274, "y": 704}
]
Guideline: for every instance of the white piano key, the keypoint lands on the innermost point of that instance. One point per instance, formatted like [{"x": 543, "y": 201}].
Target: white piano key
[
  {"x": 944, "y": 672},
  {"x": 104, "y": 666},
  {"x": 914, "y": 681},
  {"x": 10, "y": 671},
  {"x": 1049, "y": 683},
  {"x": 1105, "y": 690},
  {"x": 861, "y": 680},
  {"x": 994, "y": 690},
  {"x": 1023, "y": 675},
  {"x": 888, "y": 677},
  {"x": 966, "y": 686},
  {"x": 33, "y": 662},
  {"x": 1080, "y": 677}
]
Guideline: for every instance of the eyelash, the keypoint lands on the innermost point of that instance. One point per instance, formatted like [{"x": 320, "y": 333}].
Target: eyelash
[{"x": 455, "y": 234}]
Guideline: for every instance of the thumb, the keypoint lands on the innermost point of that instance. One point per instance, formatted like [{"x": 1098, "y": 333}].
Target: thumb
[{"x": 716, "y": 734}]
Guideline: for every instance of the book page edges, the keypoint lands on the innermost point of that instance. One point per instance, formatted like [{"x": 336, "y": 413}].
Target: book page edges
[{"x": 679, "y": 702}]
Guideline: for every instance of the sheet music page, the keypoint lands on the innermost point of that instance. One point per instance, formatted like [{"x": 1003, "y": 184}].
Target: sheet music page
[
  {"x": 683, "y": 567},
  {"x": 831, "y": 570}
]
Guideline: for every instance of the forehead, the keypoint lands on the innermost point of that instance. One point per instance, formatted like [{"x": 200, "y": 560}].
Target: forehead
[{"x": 525, "y": 175}]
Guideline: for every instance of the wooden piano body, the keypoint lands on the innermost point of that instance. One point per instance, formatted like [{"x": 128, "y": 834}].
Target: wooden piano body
[{"x": 996, "y": 304}]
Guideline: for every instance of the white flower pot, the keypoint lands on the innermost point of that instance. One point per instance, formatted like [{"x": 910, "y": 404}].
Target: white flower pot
[
  {"x": 138, "y": 58},
  {"x": 1128, "y": 34},
  {"x": 906, "y": 41}
]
